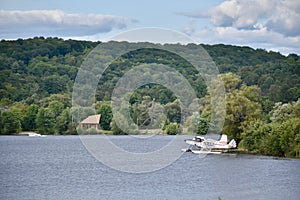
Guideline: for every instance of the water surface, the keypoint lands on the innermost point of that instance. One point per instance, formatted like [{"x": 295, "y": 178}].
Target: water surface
[{"x": 59, "y": 167}]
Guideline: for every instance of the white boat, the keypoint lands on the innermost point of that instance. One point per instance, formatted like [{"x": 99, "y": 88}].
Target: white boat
[{"x": 35, "y": 135}]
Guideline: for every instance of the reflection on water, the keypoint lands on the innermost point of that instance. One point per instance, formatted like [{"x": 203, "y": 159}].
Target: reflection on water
[{"x": 59, "y": 167}]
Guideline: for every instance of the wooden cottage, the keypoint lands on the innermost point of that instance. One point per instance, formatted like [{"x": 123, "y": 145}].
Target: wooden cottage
[{"x": 91, "y": 121}]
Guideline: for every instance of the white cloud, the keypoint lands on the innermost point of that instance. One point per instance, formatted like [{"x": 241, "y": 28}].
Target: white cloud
[
  {"x": 281, "y": 16},
  {"x": 257, "y": 38},
  {"x": 285, "y": 19},
  {"x": 241, "y": 14},
  {"x": 269, "y": 24},
  {"x": 56, "y": 22}
]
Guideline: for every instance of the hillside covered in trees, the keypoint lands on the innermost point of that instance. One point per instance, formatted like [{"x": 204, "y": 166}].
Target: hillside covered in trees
[{"x": 262, "y": 92}]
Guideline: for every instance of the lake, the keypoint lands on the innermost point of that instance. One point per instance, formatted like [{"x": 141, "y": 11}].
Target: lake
[{"x": 60, "y": 167}]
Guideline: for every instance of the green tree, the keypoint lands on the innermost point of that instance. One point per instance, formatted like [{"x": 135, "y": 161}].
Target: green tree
[
  {"x": 270, "y": 144},
  {"x": 157, "y": 115},
  {"x": 242, "y": 107},
  {"x": 283, "y": 111},
  {"x": 45, "y": 121},
  {"x": 106, "y": 116},
  {"x": 203, "y": 124},
  {"x": 55, "y": 84},
  {"x": 11, "y": 120},
  {"x": 141, "y": 112},
  {"x": 173, "y": 111},
  {"x": 231, "y": 81},
  {"x": 64, "y": 124},
  {"x": 279, "y": 137},
  {"x": 65, "y": 99},
  {"x": 253, "y": 136},
  {"x": 289, "y": 137},
  {"x": 29, "y": 119},
  {"x": 56, "y": 107}
]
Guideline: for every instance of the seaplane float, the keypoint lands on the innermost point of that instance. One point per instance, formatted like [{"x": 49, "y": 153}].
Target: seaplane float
[{"x": 201, "y": 145}]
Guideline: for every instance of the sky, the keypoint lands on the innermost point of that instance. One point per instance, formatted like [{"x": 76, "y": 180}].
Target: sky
[{"x": 266, "y": 24}]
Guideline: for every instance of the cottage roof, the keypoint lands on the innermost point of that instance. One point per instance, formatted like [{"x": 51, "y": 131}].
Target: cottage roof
[{"x": 92, "y": 119}]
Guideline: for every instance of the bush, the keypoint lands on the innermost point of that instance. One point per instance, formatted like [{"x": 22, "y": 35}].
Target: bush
[
  {"x": 115, "y": 129},
  {"x": 172, "y": 128}
]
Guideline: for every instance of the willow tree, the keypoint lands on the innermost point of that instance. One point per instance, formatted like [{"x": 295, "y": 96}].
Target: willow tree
[{"x": 243, "y": 105}]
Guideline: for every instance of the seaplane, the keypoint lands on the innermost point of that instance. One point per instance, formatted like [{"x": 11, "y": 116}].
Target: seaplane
[{"x": 201, "y": 145}]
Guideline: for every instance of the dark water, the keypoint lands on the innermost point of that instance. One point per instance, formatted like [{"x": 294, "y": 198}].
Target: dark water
[{"x": 59, "y": 167}]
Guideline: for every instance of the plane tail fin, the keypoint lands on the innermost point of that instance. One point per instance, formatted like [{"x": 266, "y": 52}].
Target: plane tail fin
[
  {"x": 232, "y": 143},
  {"x": 223, "y": 139}
]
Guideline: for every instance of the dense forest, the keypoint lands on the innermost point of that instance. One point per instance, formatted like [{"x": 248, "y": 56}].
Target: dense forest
[{"x": 262, "y": 92}]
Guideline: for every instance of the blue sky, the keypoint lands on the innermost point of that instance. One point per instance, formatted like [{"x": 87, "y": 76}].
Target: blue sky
[{"x": 267, "y": 24}]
